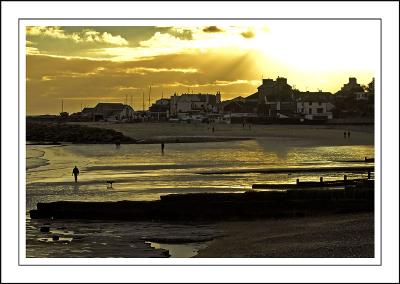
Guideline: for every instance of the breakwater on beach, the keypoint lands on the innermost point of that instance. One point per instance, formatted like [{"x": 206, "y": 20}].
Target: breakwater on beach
[
  {"x": 218, "y": 206},
  {"x": 46, "y": 132}
]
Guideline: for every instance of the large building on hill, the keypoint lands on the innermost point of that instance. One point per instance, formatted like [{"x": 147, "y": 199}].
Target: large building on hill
[
  {"x": 275, "y": 91},
  {"x": 276, "y": 99},
  {"x": 350, "y": 88},
  {"x": 355, "y": 100}
]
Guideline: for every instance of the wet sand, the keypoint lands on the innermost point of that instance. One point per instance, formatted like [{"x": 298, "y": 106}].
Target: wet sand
[
  {"x": 330, "y": 236},
  {"x": 305, "y": 134},
  {"x": 349, "y": 235}
]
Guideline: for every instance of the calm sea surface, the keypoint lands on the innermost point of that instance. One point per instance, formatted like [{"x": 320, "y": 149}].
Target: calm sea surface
[{"x": 142, "y": 172}]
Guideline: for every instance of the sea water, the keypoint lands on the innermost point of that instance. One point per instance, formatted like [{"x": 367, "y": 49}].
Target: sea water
[{"x": 143, "y": 172}]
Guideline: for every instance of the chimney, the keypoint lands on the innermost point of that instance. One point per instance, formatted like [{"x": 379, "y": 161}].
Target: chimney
[{"x": 218, "y": 97}]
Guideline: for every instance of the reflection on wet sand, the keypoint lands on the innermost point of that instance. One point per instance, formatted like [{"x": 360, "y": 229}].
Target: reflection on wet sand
[{"x": 140, "y": 172}]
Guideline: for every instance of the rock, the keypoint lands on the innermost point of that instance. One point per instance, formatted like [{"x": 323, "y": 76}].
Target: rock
[
  {"x": 59, "y": 132},
  {"x": 45, "y": 229},
  {"x": 166, "y": 253}
]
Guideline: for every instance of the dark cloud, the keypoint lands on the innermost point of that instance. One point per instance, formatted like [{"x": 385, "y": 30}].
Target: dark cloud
[
  {"x": 212, "y": 29},
  {"x": 184, "y": 34},
  {"x": 248, "y": 34}
]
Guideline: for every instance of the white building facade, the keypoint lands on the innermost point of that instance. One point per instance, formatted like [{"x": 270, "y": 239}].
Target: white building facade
[
  {"x": 315, "y": 110},
  {"x": 194, "y": 104}
]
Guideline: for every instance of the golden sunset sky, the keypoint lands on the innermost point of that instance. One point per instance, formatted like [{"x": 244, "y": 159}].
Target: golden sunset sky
[{"x": 91, "y": 64}]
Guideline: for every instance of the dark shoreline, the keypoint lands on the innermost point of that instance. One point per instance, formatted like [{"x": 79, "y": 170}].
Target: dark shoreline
[
  {"x": 169, "y": 140},
  {"x": 218, "y": 206},
  {"x": 44, "y": 133},
  {"x": 56, "y": 133}
]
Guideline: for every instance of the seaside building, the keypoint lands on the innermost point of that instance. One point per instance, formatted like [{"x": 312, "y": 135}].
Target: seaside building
[
  {"x": 361, "y": 96},
  {"x": 239, "y": 110},
  {"x": 112, "y": 112},
  {"x": 274, "y": 99},
  {"x": 275, "y": 91},
  {"x": 189, "y": 105},
  {"x": 315, "y": 105},
  {"x": 64, "y": 114},
  {"x": 354, "y": 100},
  {"x": 315, "y": 110},
  {"x": 350, "y": 88},
  {"x": 87, "y": 112},
  {"x": 160, "y": 109},
  {"x": 108, "y": 112}
]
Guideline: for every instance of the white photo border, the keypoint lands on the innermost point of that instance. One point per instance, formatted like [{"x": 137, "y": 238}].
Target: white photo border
[
  {"x": 23, "y": 23},
  {"x": 386, "y": 271}
]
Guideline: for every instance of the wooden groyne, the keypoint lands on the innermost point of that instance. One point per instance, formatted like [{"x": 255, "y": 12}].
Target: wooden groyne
[
  {"x": 287, "y": 170},
  {"x": 217, "y": 206},
  {"x": 317, "y": 184}
]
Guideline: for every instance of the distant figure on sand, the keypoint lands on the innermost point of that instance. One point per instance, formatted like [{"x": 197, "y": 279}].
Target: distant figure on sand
[
  {"x": 344, "y": 135},
  {"x": 75, "y": 173},
  {"x": 348, "y": 134},
  {"x": 162, "y": 147}
]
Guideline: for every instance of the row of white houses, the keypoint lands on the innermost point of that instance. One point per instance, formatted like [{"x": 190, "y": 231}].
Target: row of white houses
[
  {"x": 274, "y": 99},
  {"x": 198, "y": 107}
]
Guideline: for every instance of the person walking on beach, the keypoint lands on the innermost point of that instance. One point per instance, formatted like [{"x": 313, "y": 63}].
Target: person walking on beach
[
  {"x": 162, "y": 147},
  {"x": 348, "y": 134},
  {"x": 344, "y": 135},
  {"x": 75, "y": 173},
  {"x": 117, "y": 144}
]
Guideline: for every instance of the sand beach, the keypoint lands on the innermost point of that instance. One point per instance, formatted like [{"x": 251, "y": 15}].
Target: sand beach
[
  {"x": 331, "y": 236},
  {"x": 242, "y": 157},
  {"x": 312, "y": 135}
]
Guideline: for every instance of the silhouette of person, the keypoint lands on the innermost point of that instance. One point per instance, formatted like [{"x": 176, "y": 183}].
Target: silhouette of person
[
  {"x": 344, "y": 135},
  {"x": 213, "y": 129},
  {"x": 75, "y": 173},
  {"x": 162, "y": 147},
  {"x": 348, "y": 134}
]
